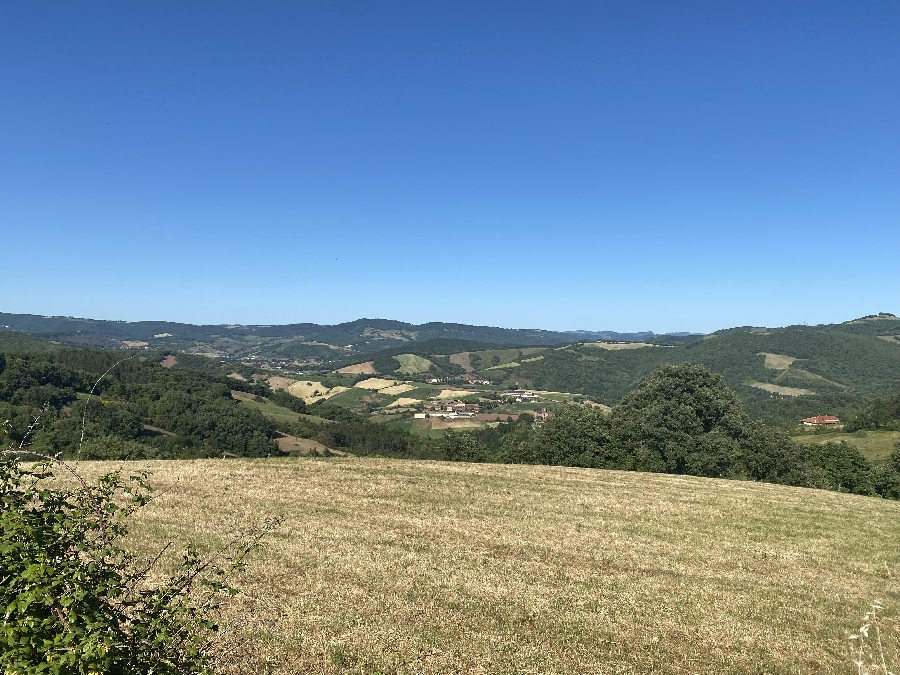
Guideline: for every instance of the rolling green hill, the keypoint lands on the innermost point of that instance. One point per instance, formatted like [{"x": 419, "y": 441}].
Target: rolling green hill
[
  {"x": 285, "y": 342},
  {"x": 780, "y": 374},
  {"x": 14, "y": 341}
]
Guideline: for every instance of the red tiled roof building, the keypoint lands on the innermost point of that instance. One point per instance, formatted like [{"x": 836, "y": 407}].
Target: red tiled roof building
[{"x": 820, "y": 419}]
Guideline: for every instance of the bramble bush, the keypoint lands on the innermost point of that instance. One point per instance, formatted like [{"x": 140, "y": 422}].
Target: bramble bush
[{"x": 73, "y": 600}]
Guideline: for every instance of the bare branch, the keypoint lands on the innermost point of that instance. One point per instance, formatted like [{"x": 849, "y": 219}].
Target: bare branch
[
  {"x": 87, "y": 489},
  {"x": 91, "y": 393}
]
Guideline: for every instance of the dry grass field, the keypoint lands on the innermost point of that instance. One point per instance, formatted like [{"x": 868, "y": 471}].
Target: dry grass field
[
  {"x": 454, "y": 393},
  {"x": 302, "y": 446},
  {"x": 462, "y": 359},
  {"x": 313, "y": 391},
  {"x": 403, "y": 402},
  {"x": 396, "y": 390},
  {"x": 367, "y": 368},
  {"x": 784, "y": 391},
  {"x": 777, "y": 361},
  {"x": 377, "y": 383},
  {"x": 616, "y": 346},
  {"x": 402, "y": 567},
  {"x": 501, "y": 366},
  {"x": 277, "y": 382}
]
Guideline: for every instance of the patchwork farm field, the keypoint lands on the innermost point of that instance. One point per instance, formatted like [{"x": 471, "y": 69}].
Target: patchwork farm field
[{"x": 386, "y": 566}]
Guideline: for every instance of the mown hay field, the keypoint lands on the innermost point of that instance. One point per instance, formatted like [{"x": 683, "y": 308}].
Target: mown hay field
[
  {"x": 784, "y": 391},
  {"x": 387, "y": 566},
  {"x": 777, "y": 361},
  {"x": 313, "y": 391},
  {"x": 367, "y": 368},
  {"x": 618, "y": 346},
  {"x": 377, "y": 383}
]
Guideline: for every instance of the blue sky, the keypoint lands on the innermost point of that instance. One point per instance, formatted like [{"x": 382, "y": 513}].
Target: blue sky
[{"x": 566, "y": 165}]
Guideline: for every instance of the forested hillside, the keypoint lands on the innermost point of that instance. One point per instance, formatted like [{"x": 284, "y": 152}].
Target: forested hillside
[
  {"x": 287, "y": 342},
  {"x": 780, "y": 374},
  {"x": 682, "y": 419}
]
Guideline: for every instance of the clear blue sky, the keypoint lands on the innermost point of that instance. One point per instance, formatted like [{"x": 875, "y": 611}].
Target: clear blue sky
[{"x": 569, "y": 165}]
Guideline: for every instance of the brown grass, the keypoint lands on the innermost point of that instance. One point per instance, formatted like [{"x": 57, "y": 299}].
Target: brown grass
[
  {"x": 367, "y": 368},
  {"x": 454, "y": 393},
  {"x": 311, "y": 391},
  {"x": 449, "y": 423},
  {"x": 402, "y": 401},
  {"x": 377, "y": 383},
  {"x": 396, "y": 389},
  {"x": 168, "y": 362},
  {"x": 409, "y": 567},
  {"x": 462, "y": 359},
  {"x": 615, "y": 346},
  {"x": 277, "y": 382},
  {"x": 778, "y": 361},
  {"x": 296, "y": 445},
  {"x": 784, "y": 391}
]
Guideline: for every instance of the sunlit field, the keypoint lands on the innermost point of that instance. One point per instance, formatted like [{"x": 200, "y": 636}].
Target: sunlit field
[{"x": 385, "y": 566}]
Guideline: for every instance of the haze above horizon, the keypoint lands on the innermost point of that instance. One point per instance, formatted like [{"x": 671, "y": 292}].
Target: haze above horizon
[{"x": 598, "y": 166}]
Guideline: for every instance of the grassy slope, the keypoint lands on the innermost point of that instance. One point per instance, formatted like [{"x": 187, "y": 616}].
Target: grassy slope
[
  {"x": 279, "y": 413},
  {"x": 427, "y": 567},
  {"x": 875, "y": 445},
  {"x": 842, "y": 368},
  {"x": 14, "y": 341}
]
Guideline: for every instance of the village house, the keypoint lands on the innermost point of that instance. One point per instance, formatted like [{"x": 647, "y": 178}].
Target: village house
[{"x": 820, "y": 419}]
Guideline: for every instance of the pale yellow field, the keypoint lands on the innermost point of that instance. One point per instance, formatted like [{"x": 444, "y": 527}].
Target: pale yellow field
[
  {"x": 280, "y": 383},
  {"x": 617, "y": 346},
  {"x": 443, "y": 423},
  {"x": 293, "y": 444},
  {"x": 396, "y": 389},
  {"x": 377, "y": 383},
  {"x": 778, "y": 361},
  {"x": 403, "y": 402},
  {"x": 510, "y": 364},
  {"x": 313, "y": 391},
  {"x": 451, "y": 393},
  {"x": 784, "y": 391},
  {"x": 367, "y": 368},
  {"x": 405, "y": 567}
]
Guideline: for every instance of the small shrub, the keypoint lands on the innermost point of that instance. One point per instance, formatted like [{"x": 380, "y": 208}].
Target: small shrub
[{"x": 74, "y": 601}]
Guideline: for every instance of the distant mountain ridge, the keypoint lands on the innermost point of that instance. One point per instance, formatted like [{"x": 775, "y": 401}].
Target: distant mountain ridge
[{"x": 288, "y": 341}]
